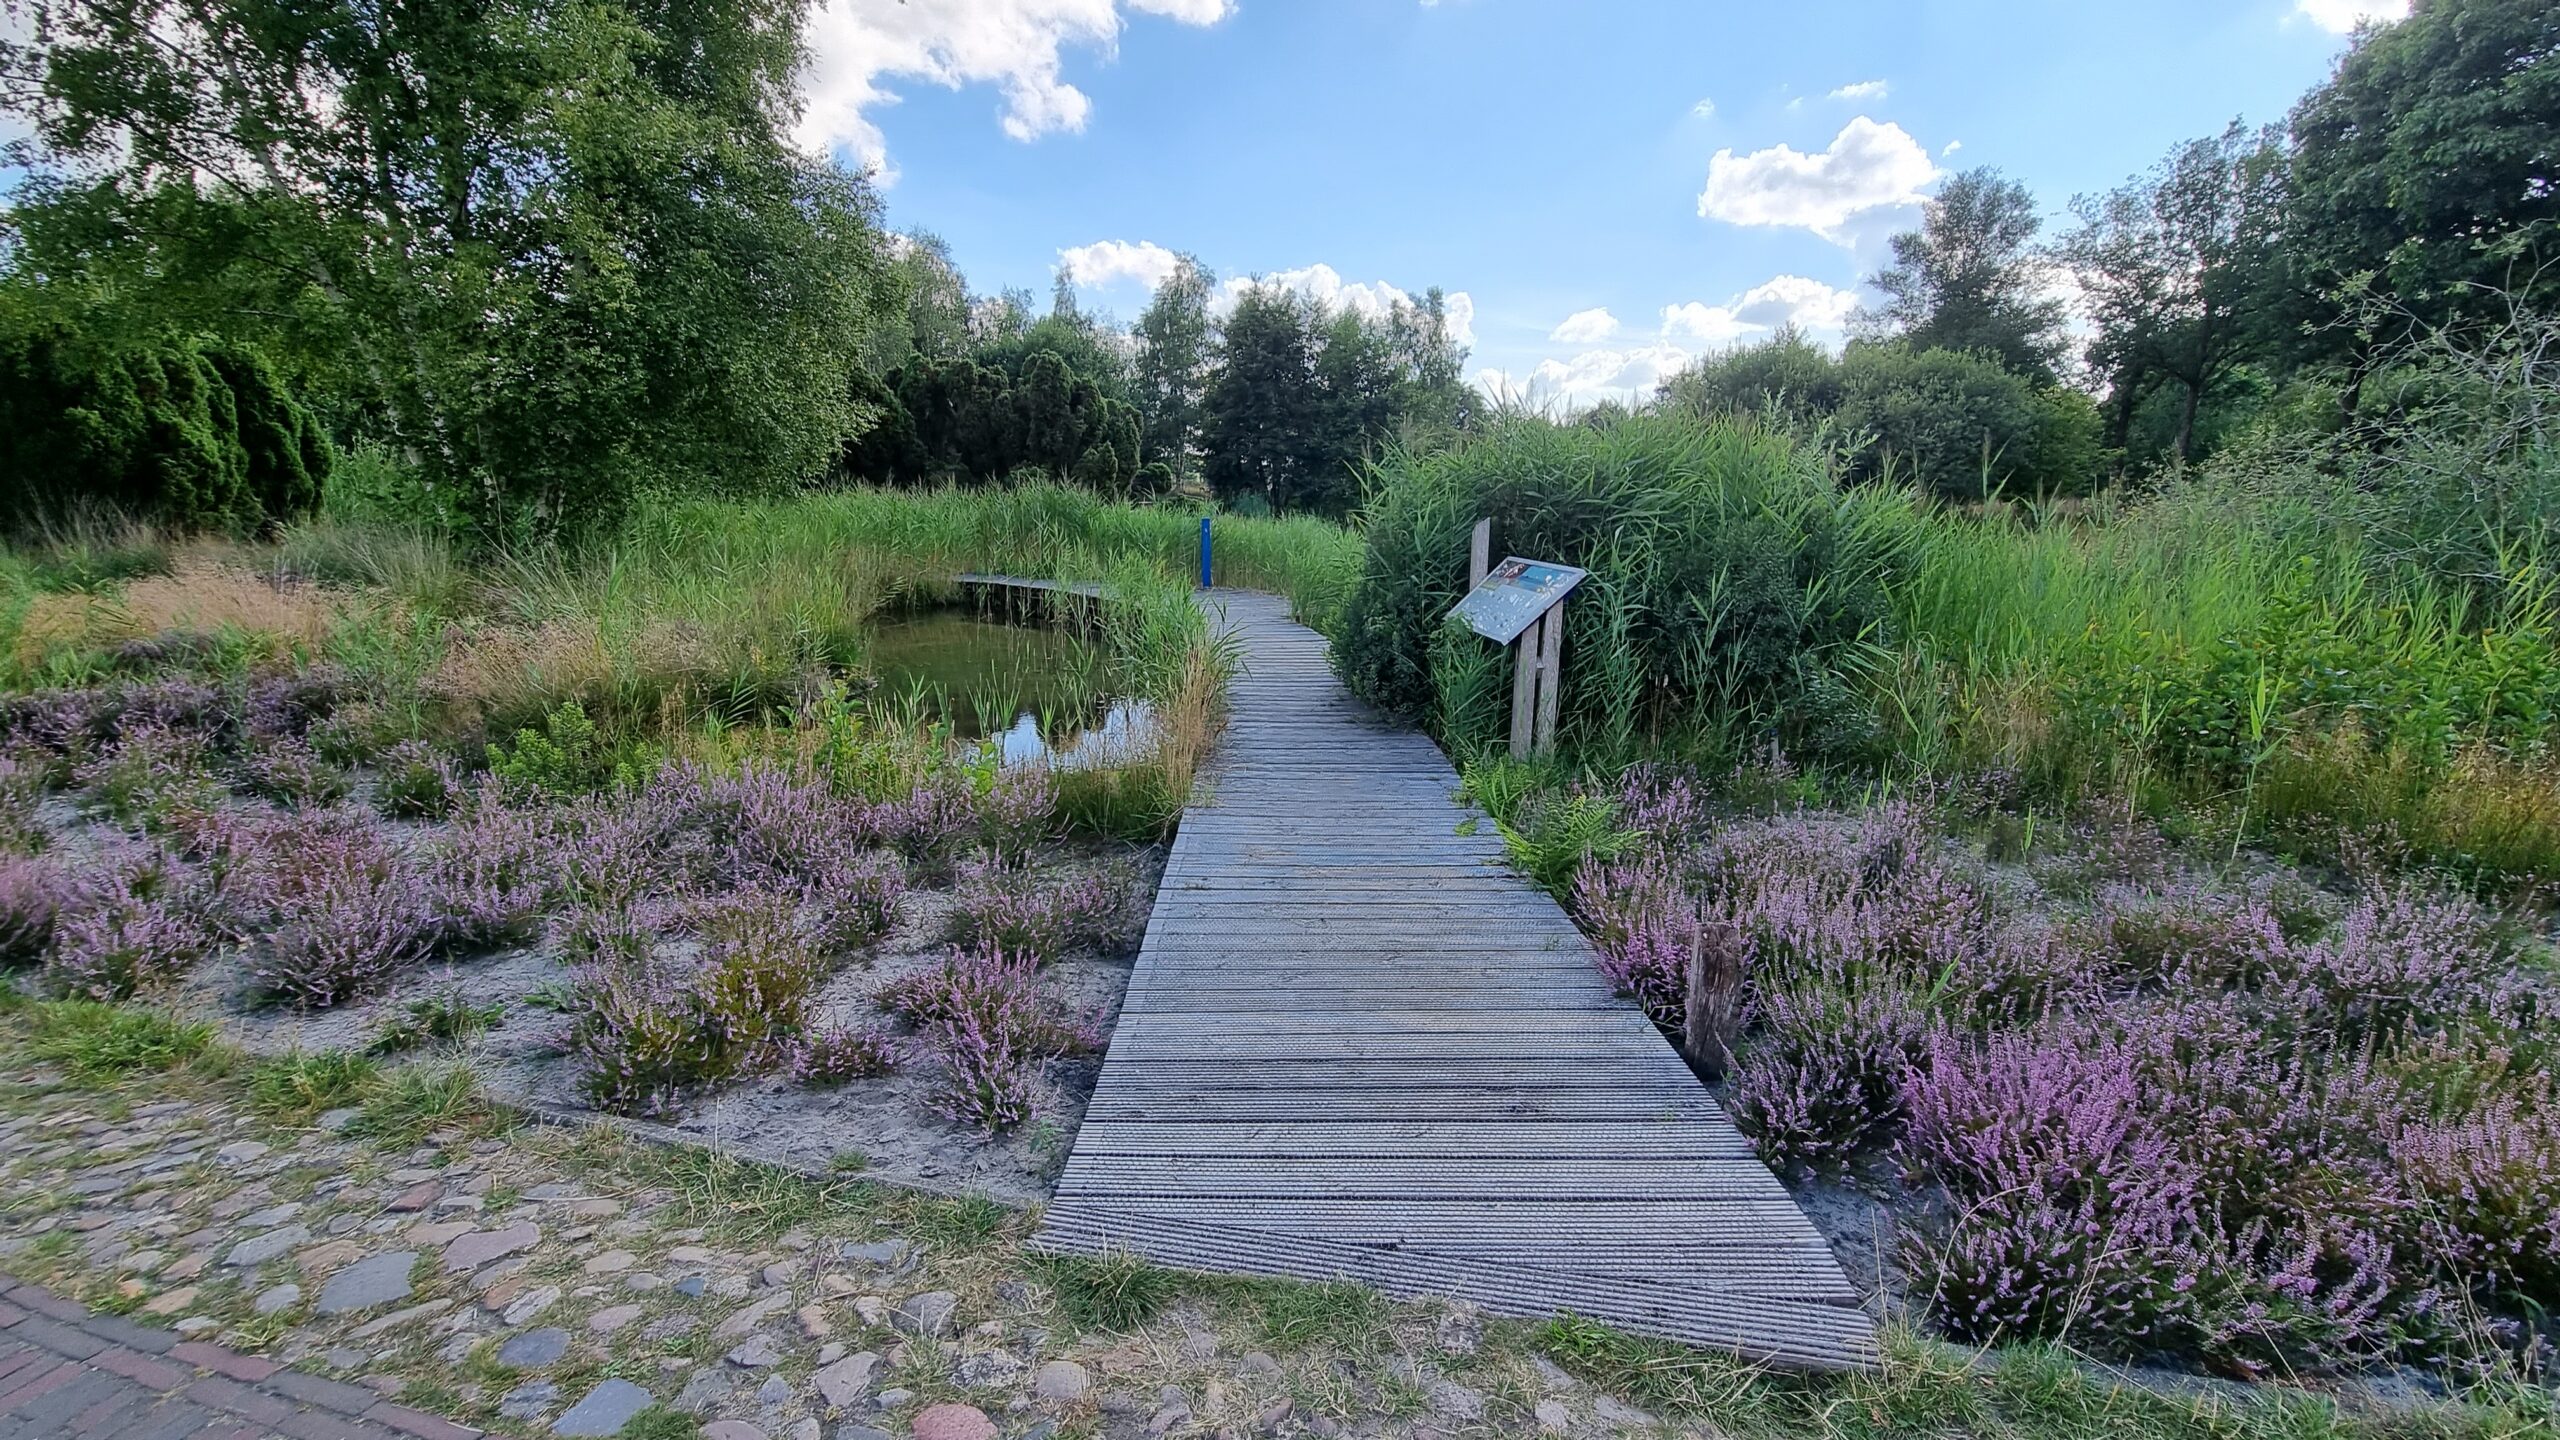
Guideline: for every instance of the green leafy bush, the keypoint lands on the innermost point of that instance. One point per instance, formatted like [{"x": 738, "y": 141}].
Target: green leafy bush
[{"x": 565, "y": 757}]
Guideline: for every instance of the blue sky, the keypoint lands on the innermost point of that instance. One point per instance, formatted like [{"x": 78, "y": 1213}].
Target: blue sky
[{"x": 1613, "y": 185}]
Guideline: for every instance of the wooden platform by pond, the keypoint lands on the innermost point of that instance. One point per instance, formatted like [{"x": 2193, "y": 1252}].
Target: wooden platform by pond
[{"x": 1357, "y": 1045}]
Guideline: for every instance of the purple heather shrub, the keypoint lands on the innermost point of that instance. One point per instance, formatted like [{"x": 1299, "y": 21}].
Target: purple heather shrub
[
  {"x": 1000, "y": 995},
  {"x": 414, "y": 782},
  {"x": 343, "y": 908},
  {"x": 288, "y": 770},
  {"x": 2067, "y": 1208},
  {"x": 769, "y": 827},
  {"x": 1822, "y": 1078},
  {"x": 2487, "y": 1192},
  {"x": 1665, "y": 803},
  {"x": 1014, "y": 813},
  {"x": 173, "y": 702},
  {"x": 2400, "y": 960},
  {"x": 31, "y": 898},
  {"x": 1642, "y": 922},
  {"x": 136, "y": 921},
  {"x": 613, "y": 851},
  {"x": 2186, "y": 934},
  {"x": 289, "y": 704},
  {"x": 492, "y": 878},
  {"x": 854, "y": 896},
  {"x": 835, "y": 1054},
  {"x": 1022, "y": 913},
  {"x": 55, "y": 730},
  {"x": 987, "y": 1080},
  {"x": 22, "y": 784}
]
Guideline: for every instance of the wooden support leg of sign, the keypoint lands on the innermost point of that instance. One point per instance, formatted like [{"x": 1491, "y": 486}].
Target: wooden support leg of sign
[
  {"x": 1524, "y": 688},
  {"x": 1550, "y": 676},
  {"x": 1479, "y": 555}
]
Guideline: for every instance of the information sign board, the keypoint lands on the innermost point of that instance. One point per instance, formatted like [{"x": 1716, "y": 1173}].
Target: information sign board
[{"x": 1514, "y": 594}]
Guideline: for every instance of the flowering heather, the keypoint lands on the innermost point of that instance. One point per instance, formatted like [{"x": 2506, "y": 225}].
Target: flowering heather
[
  {"x": 137, "y": 921},
  {"x": 21, "y": 790},
  {"x": 2070, "y": 1210},
  {"x": 767, "y": 826},
  {"x": 609, "y": 934},
  {"x": 345, "y": 911},
  {"x": 173, "y": 702},
  {"x": 31, "y": 896},
  {"x": 288, "y": 770},
  {"x": 613, "y": 853},
  {"x": 987, "y": 1080},
  {"x": 998, "y": 994},
  {"x": 154, "y": 776},
  {"x": 1019, "y": 913},
  {"x": 2242, "y": 1121},
  {"x": 288, "y": 705},
  {"x": 1822, "y": 1080},
  {"x": 854, "y": 898},
  {"x": 416, "y": 783},
  {"x": 948, "y": 815},
  {"x": 835, "y": 1054},
  {"x": 1641, "y": 920},
  {"x": 637, "y": 1040},
  {"x": 1666, "y": 803},
  {"x": 491, "y": 879},
  {"x": 650, "y": 1029}
]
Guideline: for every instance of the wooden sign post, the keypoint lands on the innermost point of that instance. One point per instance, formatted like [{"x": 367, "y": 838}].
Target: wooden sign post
[{"x": 1520, "y": 603}]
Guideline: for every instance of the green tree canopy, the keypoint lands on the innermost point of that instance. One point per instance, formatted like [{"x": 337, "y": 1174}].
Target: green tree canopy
[
  {"x": 1970, "y": 278},
  {"x": 551, "y": 251}
]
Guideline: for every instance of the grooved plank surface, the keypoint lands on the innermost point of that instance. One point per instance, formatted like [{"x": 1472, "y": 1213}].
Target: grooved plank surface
[{"x": 1357, "y": 1045}]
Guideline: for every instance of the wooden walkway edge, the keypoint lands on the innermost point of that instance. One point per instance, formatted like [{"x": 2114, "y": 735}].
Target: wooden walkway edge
[{"x": 1357, "y": 1045}]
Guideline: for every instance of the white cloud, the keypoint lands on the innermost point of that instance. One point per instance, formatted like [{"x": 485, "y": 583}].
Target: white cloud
[
  {"x": 1704, "y": 109},
  {"x": 1862, "y": 90},
  {"x": 1780, "y": 300},
  {"x": 1014, "y": 45},
  {"x": 1952, "y": 147},
  {"x": 2340, "y": 17},
  {"x": 1867, "y": 166},
  {"x": 1106, "y": 261},
  {"x": 1374, "y": 299},
  {"x": 1575, "y": 382},
  {"x": 1586, "y": 327}
]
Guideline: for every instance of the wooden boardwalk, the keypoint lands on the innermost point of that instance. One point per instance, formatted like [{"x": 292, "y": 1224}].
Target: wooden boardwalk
[{"x": 1357, "y": 1045}]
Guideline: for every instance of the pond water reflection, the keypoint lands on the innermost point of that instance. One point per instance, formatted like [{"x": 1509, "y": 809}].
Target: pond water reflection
[{"x": 1040, "y": 692}]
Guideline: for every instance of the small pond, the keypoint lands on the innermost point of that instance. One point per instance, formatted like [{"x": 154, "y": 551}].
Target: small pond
[{"x": 1040, "y": 692}]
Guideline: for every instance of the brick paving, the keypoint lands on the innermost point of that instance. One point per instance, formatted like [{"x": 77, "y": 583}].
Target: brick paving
[{"x": 68, "y": 1373}]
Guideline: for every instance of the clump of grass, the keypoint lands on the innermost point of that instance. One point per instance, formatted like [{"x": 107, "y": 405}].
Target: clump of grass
[
  {"x": 297, "y": 1086},
  {"x": 746, "y": 1200},
  {"x": 446, "y": 1017},
  {"x": 98, "y": 1042},
  {"x": 414, "y": 1101},
  {"x": 1111, "y": 1291},
  {"x": 1338, "y": 1312}
]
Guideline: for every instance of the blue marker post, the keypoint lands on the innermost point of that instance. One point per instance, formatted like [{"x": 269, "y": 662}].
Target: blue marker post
[{"x": 1204, "y": 552}]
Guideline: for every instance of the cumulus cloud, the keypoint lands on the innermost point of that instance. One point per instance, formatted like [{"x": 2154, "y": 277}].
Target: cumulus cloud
[
  {"x": 1952, "y": 147},
  {"x": 1862, "y": 90},
  {"x": 1374, "y": 299},
  {"x": 1867, "y": 166},
  {"x": 1586, "y": 327},
  {"x": 1704, "y": 109},
  {"x": 2341, "y": 17},
  {"x": 1014, "y": 45},
  {"x": 1577, "y": 381},
  {"x": 1780, "y": 300},
  {"x": 1106, "y": 261}
]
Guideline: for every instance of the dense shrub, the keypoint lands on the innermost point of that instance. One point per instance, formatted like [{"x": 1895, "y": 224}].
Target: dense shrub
[
  {"x": 492, "y": 877},
  {"x": 137, "y": 921},
  {"x": 1733, "y": 580},
  {"x": 194, "y": 434},
  {"x": 31, "y": 896},
  {"x": 1023, "y": 913},
  {"x": 288, "y": 770},
  {"x": 414, "y": 782},
  {"x": 343, "y": 909},
  {"x": 22, "y": 786},
  {"x": 1959, "y": 426}
]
